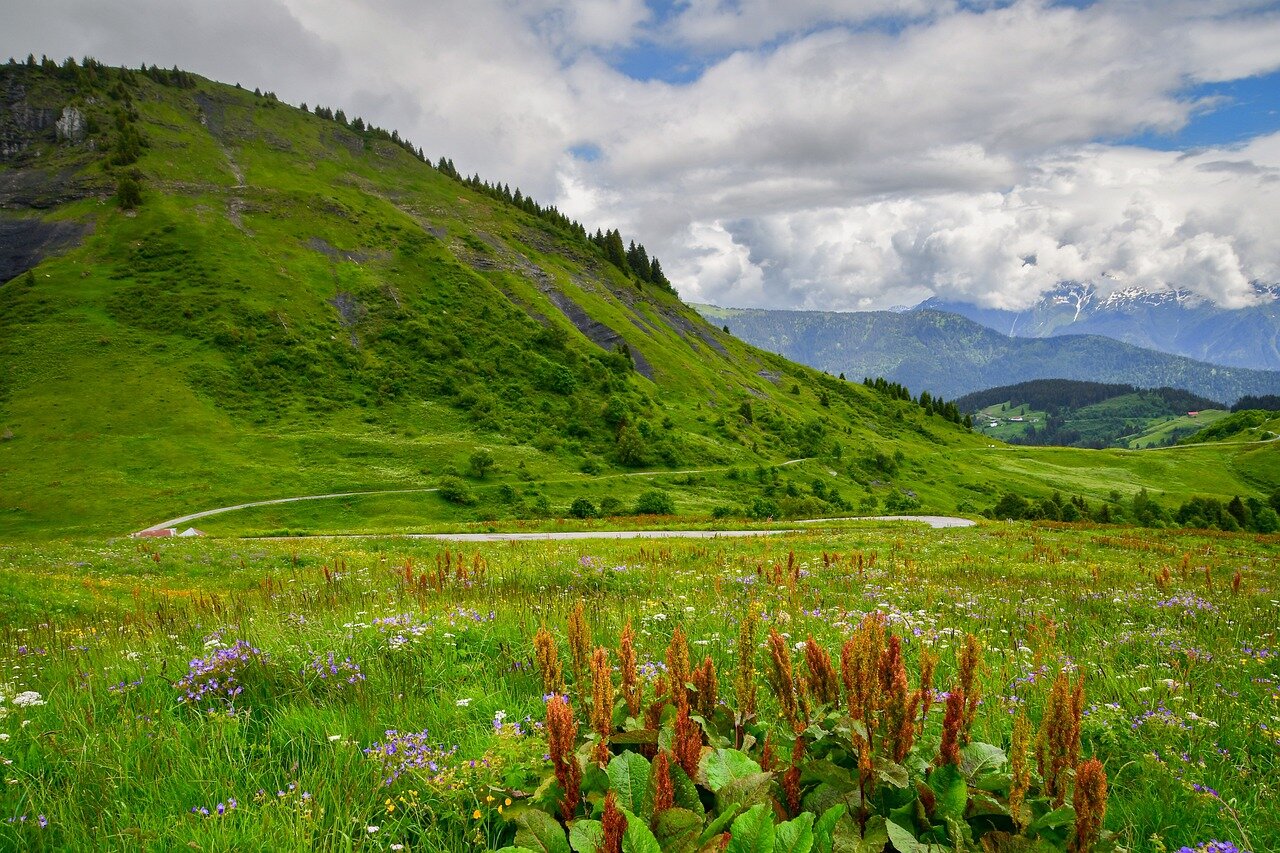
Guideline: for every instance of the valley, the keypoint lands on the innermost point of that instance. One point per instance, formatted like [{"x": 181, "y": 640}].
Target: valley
[{"x": 497, "y": 544}]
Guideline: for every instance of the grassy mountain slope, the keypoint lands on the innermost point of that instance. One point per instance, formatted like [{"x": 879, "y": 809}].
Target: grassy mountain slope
[
  {"x": 297, "y": 307},
  {"x": 949, "y": 355}
]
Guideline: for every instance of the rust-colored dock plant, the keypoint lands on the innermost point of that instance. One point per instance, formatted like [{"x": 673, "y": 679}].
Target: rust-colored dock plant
[
  {"x": 970, "y": 663},
  {"x": 1058, "y": 743},
  {"x": 579, "y": 646},
  {"x": 824, "y": 685},
  {"x": 952, "y": 723},
  {"x": 706, "y": 687},
  {"x": 1020, "y": 769},
  {"x": 548, "y": 661},
  {"x": 678, "y": 671},
  {"x": 664, "y": 796},
  {"x": 859, "y": 669},
  {"x": 928, "y": 661},
  {"x": 601, "y": 703},
  {"x": 688, "y": 742},
  {"x": 615, "y": 824},
  {"x": 562, "y": 732},
  {"x": 779, "y": 676},
  {"x": 1090, "y": 803},
  {"x": 632, "y": 690}
]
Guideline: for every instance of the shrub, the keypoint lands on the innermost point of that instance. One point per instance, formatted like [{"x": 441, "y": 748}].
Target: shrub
[
  {"x": 655, "y": 502},
  {"x": 583, "y": 508},
  {"x": 481, "y": 463},
  {"x": 455, "y": 491},
  {"x": 610, "y": 506}
]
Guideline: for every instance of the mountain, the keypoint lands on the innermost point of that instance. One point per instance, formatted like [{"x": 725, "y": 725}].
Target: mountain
[
  {"x": 1089, "y": 414},
  {"x": 210, "y": 297},
  {"x": 950, "y": 355},
  {"x": 1177, "y": 322}
]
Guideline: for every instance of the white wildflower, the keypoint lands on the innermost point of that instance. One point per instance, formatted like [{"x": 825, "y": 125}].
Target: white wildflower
[{"x": 27, "y": 699}]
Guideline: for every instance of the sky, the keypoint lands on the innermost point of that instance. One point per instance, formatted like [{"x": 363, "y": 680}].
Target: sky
[{"x": 817, "y": 154}]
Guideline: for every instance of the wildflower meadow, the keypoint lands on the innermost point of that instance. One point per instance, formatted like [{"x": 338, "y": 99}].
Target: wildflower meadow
[{"x": 879, "y": 687}]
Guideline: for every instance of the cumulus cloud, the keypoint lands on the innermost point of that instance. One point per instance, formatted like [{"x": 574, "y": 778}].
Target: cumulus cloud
[
  {"x": 1118, "y": 217},
  {"x": 829, "y": 154}
]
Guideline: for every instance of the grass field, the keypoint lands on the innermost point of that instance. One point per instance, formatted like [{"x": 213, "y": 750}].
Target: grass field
[{"x": 1181, "y": 671}]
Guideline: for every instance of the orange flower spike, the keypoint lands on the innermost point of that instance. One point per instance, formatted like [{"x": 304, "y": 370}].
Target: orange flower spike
[
  {"x": 632, "y": 692},
  {"x": 579, "y": 646},
  {"x": 1020, "y": 769},
  {"x": 601, "y": 703},
  {"x": 562, "y": 734},
  {"x": 548, "y": 661},
  {"x": 949, "y": 753},
  {"x": 928, "y": 661},
  {"x": 791, "y": 779},
  {"x": 615, "y": 824},
  {"x": 1090, "y": 803},
  {"x": 678, "y": 668},
  {"x": 780, "y": 679},
  {"x": 824, "y": 686},
  {"x": 688, "y": 743},
  {"x": 704, "y": 682},
  {"x": 664, "y": 796}
]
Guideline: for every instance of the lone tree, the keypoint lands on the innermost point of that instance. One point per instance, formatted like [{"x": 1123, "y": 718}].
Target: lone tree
[
  {"x": 481, "y": 463},
  {"x": 128, "y": 192}
]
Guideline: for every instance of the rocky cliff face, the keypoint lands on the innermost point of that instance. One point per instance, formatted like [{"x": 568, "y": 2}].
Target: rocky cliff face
[{"x": 23, "y": 125}]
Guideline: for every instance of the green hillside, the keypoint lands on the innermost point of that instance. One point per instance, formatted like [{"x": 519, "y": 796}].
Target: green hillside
[
  {"x": 300, "y": 305},
  {"x": 1089, "y": 414}
]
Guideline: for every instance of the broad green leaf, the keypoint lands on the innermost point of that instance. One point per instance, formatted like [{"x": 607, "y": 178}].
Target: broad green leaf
[
  {"x": 833, "y": 774},
  {"x": 825, "y": 796},
  {"x": 950, "y": 792},
  {"x": 1059, "y": 817},
  {"x": 586, "y": 836},
  {"x": 892, "y": 773},
  {"x": 541, "y": 833},
  {"x": 747, "y": 791},
  {"x": 594, "y": 780},
  {"x": 677, "y": 830},
  {"x": 752, "y": 831},
  {"x": 874, "y": 836},
  {"x": 719, "y": 767},
  {"x": 637, "y": 838},
  {"x": 686, "y": 793},
  {"x": 795, "y": 836},
  {"x": 825, "y": 826},
  {"x": 980, "y": 757},
  {"x": 629, "y": 780},
  {"x": 905, "y": 842},
  {"x": 718, "y": 825},
  {"x": 848, "y": 839}
]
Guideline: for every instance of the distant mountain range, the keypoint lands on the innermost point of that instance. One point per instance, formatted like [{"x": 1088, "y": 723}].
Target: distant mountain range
[
  {"x": 950, "y": 355},
  {"x": 1176, "y": 321}
]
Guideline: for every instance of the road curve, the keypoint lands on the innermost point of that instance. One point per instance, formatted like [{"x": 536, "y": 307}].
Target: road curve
[
  {"x": 935, "y": 521},
  {"x": 183, "y": 519}
]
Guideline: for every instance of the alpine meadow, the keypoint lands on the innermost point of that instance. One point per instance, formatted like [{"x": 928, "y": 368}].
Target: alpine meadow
[{"x": 494, "y": 543}]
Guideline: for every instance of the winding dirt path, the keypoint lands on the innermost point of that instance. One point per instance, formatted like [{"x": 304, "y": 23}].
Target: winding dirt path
[{"x": 184, "y": 519}]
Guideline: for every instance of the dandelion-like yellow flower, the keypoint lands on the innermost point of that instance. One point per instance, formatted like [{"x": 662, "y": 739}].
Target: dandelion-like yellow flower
[{"x": 476, "y": 814}]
